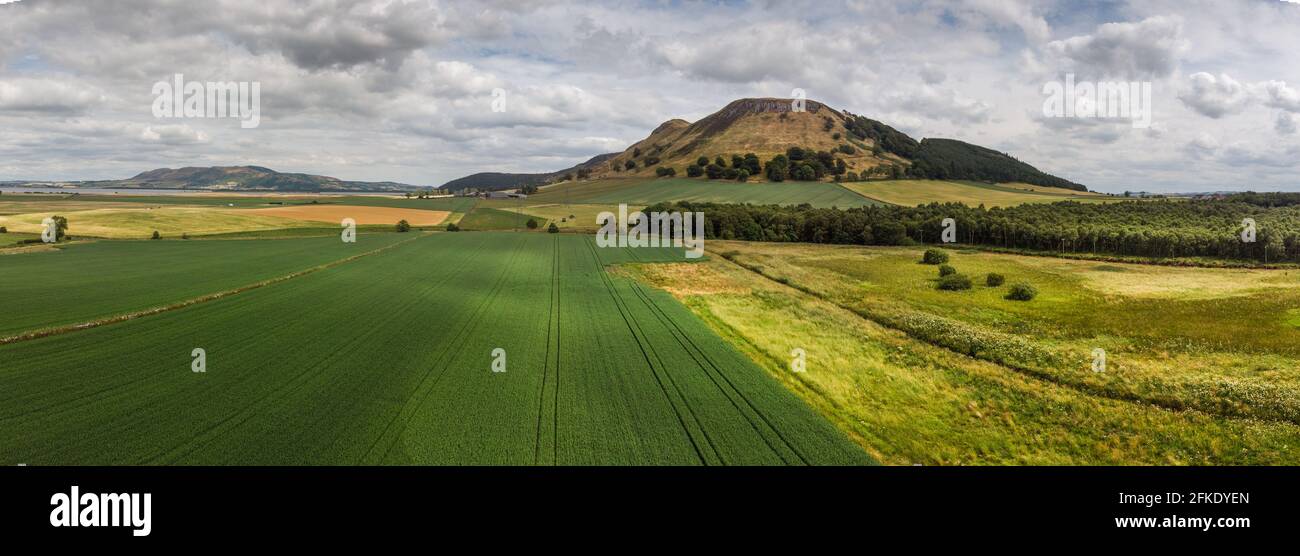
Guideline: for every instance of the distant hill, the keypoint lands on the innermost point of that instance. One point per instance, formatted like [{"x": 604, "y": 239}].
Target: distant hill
[
  {"x": 497, "y": 181},
  {"x": 768, "y": 127},
  {"x": 244, "y": 178}
]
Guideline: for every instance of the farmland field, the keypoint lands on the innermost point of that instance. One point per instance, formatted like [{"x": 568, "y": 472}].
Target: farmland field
[
  {"x": 643, "y": 192},
  {"x": 919, "y": 192},
  {"x": 1201, "y": 364},
  {"x": 506, "y": 217},
  {"x": 131, "y": 276},
  {"x": 138, "y": 216},
  {"x": 387, "y": 359}
]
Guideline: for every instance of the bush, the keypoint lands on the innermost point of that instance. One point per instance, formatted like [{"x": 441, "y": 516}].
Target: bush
[
  {"x": 742, "y": 175},
  {"x": 1022, "y": 292},
  {"x": 532, "y": 224},
  {"x": 4, "y": 230},
  {"x": 954, "y": 282},
  {"x": 946, "y": 270},
  {"x": 156, "y": 235},
  {"x": 934, "y": 256},
  {"x": 185, "y": 236},
  {"x": 403, "y": 226},
  {"x": 553, "y": 229},
  {"x": 994, "y": 280},
  {"x": 452, "y": 227},
  {"x": 694, "y": 170},
  {"x": 629, "y": 165},
  {"x": 713, "y": 171},
  {"x": 665, "y": 172}
]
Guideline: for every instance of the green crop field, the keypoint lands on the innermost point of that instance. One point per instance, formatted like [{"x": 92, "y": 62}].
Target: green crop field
[
  {"x": 387, "y": 359},
  {"x": 80, "y": 283},
  {"x": 643, "y": 192},
  {"x": 506, "y": 217},
  {"x": 1201, "y": 365}
]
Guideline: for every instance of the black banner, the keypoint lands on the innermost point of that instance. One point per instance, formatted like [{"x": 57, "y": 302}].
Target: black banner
[{"x": 1176, "y": 505}]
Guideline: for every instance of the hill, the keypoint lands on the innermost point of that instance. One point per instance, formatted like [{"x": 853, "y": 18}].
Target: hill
[
  {"x": 497, "y": 181},
  {"x": 833, "y": 143},
  {"x": 244, "y": 178}
]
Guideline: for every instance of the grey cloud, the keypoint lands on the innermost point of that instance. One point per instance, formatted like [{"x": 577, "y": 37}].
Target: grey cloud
[{"x": 1143, "y": 50}]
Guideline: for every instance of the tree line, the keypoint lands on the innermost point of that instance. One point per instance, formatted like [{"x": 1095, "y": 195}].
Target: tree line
[{"x": 1161, "y": 229}]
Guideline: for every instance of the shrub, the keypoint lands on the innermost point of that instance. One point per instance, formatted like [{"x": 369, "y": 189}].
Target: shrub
[
  {"x": 713, "y": 171},
  {"x": 694, "y": 170},
  {"x": 954, "y": 282},
  {"x": 665, "y": 172},
  {"x": 4, "y": 230},
  {"x": 629, "y": 165},
  {"x": 702, "y": 161},
  {"x": 452, "y": 227},
  {"x": 934, "y": 256},
  {"x": 742, "y": 175},
  {"x": 532, "y": 224},
  {"x": 185, "y": 236},
  {"x": 730, "y": 173},
  {"x": 553, "y": 229},
  {"x": 1022, "y": 291},
  {"x": 946, "y": 270},
  {"x": 403, "y": 226},
  {"x": 156, "y": 235},
  {"x": 994, "y": 280}
]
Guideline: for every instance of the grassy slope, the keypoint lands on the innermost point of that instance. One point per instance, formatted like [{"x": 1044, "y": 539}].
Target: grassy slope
[
  {"x": 340, "y": 367},
  {"x": 920, "y": 192},
  {"x": 908, "y": 401},
  {"x": 57, "y": 288}
]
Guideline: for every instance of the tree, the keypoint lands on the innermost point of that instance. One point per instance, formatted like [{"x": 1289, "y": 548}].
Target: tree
[
  {"x": 4, "y": 230},
  {"x": 840, "y": 167},
  {"x": 805, "y": 172},
  {"x": 532, "y": 224},
  {"x": 752, "y": 164},
  {"x": 452, "y": 227},
  {"x": 1022, "y": 292},
  {"x": 403, "y": 226},
  {"x": 795, "y": 153},
  {"x": 934, "y": 256},
  {"x": 61, "y": 227},
  {"x": 713, "y": 171},
  {"x": 742, "y": 175},
  {"x": 694, "y": 171},
  {"x": 552, "y": 229},
  {"x": 665, "y": 172},
  {"x": 954, "y": 282},
  {"x": 629, "y": 165},
  {"x": 702, "y": 161},
  {"x": 994, "y": 280},
  {"x": 737, "y": 161},
  {"x": 156, "y": 235},
  {"x": 777, "y": 168},
  {"x": 720, "y": 162}
]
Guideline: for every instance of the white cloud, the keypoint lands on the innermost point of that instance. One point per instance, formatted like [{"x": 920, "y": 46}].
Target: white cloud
[{"x": 1216, "y": 97}]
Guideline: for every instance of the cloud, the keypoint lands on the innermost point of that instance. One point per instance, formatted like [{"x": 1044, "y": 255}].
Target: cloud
[
  {"x": 1216, "y": 97},
  {"x": 47, "y": 96},
  {"x": 1146, "y": 49},
  {"x": 180, "y": 134},
  {"x": 1286, "y": 123}
]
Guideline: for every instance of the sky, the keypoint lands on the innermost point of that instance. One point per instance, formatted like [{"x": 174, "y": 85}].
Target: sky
[{"x": 393, "y": 90}]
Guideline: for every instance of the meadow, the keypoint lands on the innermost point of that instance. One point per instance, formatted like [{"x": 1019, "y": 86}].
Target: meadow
[
  {"x": 388, "y": 359},
  {"x": 1201, "y": 364}
]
